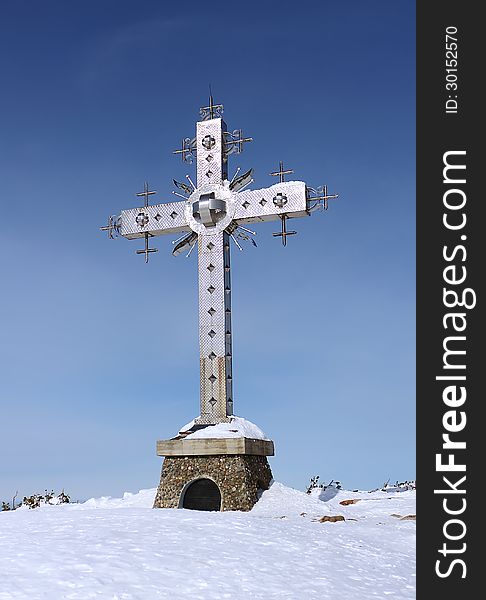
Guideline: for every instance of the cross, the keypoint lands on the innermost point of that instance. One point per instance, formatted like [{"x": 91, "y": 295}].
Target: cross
[
  {"x": 211, "y": 111},
  {"x": 211, "y": 213},
  {"x": 186, "y": 149},
  {"x": 284, "y": 233},
  {"x": 146, "y": 193},
  {"x": 281, "y": 173},
  {"x": 147, "y": 250},
  {"x": 111, "y": 228},
  {"x": 234, "y": 140},
  {"x": 319, "y": 196}
]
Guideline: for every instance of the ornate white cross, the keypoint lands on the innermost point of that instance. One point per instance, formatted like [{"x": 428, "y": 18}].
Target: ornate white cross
[{"x": 212, "y": 212}]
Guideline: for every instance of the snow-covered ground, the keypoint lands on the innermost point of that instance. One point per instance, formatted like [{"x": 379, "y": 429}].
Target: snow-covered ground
[{"x": 122, "y": 549}]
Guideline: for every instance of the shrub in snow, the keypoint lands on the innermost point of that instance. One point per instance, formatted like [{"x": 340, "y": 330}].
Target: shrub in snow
[
  {"x": 63, "y": 498},
  {"x": 7, "y": 506},
  {"x": 36, "y": 500},
  {"x": 33, "y": 501},
  {"x": 399, "y": 486},
  {"x": 334, "y": 484},
  {"x": 314, "y": 484}
]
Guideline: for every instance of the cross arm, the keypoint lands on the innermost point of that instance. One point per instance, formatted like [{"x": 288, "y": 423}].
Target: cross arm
[
  {"x": 269, "y": 204},
  {"x": 158, "y": 219}
]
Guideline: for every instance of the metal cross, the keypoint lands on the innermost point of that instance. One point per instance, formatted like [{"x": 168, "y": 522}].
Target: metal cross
[
  {"x": 211, "y": 213},
  {"x": 147, "y": 250},
  {"x": 284, "y": 233},
  {"x": 212, "y": 111},
  {"x": 234, "y": 140},
  {"x": 111, "y": 228},
  {"x": 187, "y": 149},
  {"x": 146, "y": 193},
  {"x": 319, "y": 196},
  {"x": 281, "y": 173}
]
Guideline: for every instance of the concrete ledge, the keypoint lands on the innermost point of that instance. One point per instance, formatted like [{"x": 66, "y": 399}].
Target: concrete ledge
[{"x": 214, "y": 447}]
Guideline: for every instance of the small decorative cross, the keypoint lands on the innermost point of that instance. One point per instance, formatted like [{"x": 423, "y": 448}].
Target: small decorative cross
[
  {"x": 284, "y": 233},
  {"x": 320, "y": 196},
  {"x": 147, "y": 250},
  {"x": 281, "y": 173},
  {"x": 111, "y": 227},
  {"x": 146, "y": 193},
  {"x": 213, "y": 111},
  {"x": 187, "y": 149},
  {"x": 234, "y": 140}
]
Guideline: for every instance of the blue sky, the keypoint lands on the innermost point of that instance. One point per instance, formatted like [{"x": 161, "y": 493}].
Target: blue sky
[{"x": 99, "y": 352}]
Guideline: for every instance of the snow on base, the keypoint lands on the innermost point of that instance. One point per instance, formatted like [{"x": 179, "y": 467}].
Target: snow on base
[
  {"x": 237, "y": 427},
  {"x": 122, "y": 549}
]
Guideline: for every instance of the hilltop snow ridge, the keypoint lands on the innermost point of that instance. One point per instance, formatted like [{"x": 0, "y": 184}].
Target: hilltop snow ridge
[{"x": 120, "y": 548}]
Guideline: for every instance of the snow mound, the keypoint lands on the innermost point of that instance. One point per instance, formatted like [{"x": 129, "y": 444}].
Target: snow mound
[
  {"x": 237, "y": 427},
  {"x": 280, "y": 500},
  {"x": 142, "y": 499}
]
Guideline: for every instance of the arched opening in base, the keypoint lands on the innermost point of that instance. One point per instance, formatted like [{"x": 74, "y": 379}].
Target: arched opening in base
[{"x": 202, "y": 494}]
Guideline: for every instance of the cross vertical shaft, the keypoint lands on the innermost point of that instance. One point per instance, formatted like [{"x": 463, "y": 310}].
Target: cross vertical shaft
[
  {"x": 215, "y": 328},
  {"x": 214, "y": 276}
]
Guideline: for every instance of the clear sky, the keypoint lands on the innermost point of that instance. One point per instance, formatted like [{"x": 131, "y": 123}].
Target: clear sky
[{"x": 99, "y": 352}]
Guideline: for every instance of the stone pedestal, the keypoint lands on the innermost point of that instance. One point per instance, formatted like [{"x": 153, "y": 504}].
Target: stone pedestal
[{"x": 230, "y": 471}]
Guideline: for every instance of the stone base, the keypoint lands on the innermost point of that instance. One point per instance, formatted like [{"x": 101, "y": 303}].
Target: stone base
[{"x": 238, "y": 477}]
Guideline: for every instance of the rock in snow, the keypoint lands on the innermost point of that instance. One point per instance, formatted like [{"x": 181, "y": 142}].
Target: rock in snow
[{"x": 122, "y": 549}]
